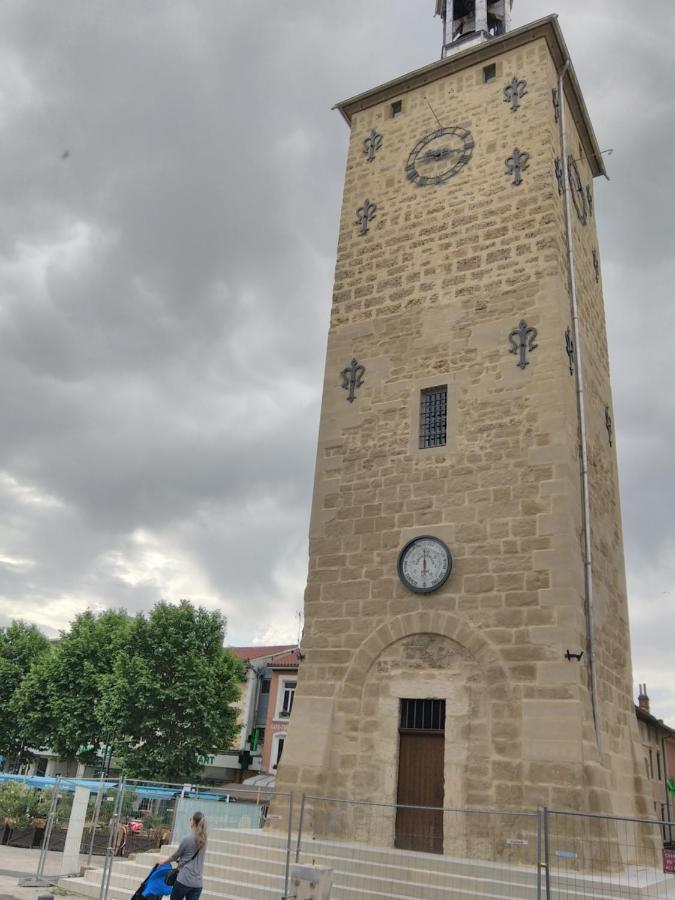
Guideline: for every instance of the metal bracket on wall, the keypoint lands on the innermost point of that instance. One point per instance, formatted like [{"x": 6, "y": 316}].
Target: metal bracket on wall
[
  {"x": 372, "y": 144},
  {"x": 514, "y": 92},
  {"x": 525, "y": 343},
  {"x": 516, "y": 164},
  {"x": 569, "y": 349},
  {"x": 609, "y": 425},
  {"x": 352, "y": 378},
  {"x": 364, "y": 214},
  {"x": 559, "y": 175}
]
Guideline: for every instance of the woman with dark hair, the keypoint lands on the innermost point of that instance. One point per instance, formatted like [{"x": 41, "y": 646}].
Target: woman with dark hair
[{"x": 190, "y": 858}]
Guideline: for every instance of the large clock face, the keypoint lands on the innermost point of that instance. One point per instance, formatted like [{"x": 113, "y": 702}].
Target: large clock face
[
  {"x": 439, "y": 155},
  {"x": 424, "y": 564}
]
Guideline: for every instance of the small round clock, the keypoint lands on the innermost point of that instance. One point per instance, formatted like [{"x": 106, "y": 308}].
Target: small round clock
[
  {"x": 439, "y": 155},
  {"x": 577, "y": 190},
  {"x": 424, "y": 564}
]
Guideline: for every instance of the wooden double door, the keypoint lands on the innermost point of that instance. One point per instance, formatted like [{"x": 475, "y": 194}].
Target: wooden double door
[{"x": 421, "y": 784}]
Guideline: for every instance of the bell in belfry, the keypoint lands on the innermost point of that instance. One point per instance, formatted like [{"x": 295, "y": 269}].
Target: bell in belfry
[{"x": 469, "y": 22}]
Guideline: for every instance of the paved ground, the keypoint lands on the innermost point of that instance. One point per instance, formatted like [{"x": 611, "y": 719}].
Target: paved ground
[{"x": 17, "y": 863}]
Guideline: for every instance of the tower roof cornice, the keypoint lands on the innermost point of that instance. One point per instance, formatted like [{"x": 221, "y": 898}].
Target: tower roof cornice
[{"x": 547, "y": 28}]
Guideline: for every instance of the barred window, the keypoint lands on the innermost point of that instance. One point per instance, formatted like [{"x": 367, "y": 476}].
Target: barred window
[
  {"x": 422, "y": 715},
  {"x": 434, "y": 417}
]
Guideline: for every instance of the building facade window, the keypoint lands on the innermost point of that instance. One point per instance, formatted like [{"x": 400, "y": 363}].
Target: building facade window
[
  {"x": 396, "y": 109},
  {"x": 285, "y": 699},
  {"x": 434, "y": 417},
  {"x": 277, "y": 749},
  {"x": 422, "y": 715}
]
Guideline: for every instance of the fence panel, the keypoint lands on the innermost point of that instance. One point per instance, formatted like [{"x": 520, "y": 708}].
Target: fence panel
[
  {"x": 422, "y": 852},
  {"x": 606, "y": 856},
  {"x": 248, "y": 849}
]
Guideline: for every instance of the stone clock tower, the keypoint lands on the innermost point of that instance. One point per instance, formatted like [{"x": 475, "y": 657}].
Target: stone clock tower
[{"x": 466, "y": 635}]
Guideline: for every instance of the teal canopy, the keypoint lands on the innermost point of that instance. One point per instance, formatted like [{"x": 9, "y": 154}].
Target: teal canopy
[{"x": 143, "y": 791}]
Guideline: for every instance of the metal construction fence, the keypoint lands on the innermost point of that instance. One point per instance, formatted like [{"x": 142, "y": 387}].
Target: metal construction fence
[
  {"x": 616, "y": 857},
  {"x": 235, "y": 865},
  {"x": 374, "y": 849},
  {"x": 421, "y": 852}
]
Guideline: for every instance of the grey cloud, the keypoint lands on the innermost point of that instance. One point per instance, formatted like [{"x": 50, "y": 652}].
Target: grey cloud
[{"x": 165, "y": 288}]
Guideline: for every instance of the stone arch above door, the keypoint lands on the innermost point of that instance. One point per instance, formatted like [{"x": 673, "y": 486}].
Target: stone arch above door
[
  {"x": 426, "y": 622},
  {"x": 418, "y": 655}
]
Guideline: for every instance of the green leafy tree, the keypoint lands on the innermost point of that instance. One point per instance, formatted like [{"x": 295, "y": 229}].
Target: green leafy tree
[
  {"x": 170, "y": 693},
  {"x": 57, "y": 702},
  {"x": 20, "y": 804},
  {"x": 21, "y": 646}
]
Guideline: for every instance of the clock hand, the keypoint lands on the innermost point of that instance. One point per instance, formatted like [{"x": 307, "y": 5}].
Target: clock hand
[{"x": 441, "y": 153}]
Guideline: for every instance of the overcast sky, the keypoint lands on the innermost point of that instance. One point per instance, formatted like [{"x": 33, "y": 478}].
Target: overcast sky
[{"x": 170, "y": 175}]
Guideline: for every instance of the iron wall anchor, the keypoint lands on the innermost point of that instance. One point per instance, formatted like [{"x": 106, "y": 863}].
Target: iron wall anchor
[
  {"x": 514, "y": 92},
  {"x": 525, "y": 344},
  {"x": 569, "y": 348},
  {"x": 352, "y": 378},
  {"x": 609, "y": 425},
  {"x": 516, "y": 164},
  {"x": 364, "y": 214},
  {"x": 372, "y": 144}
]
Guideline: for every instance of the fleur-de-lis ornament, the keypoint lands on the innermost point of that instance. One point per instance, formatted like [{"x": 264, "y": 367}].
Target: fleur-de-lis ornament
[
  {"x": 609, "y": 425},
  {"x": 364, "y": 214},
  {"x": 556, "y": 104},
  {"x": 514, "y": 92},
  {"x": 517, "y": 164},
  {"x": 372, "y": 144},
  {"x": 522, "y": 340},
  {"x": 569, "y": 348},
  {"x": 352, "y": 378}
]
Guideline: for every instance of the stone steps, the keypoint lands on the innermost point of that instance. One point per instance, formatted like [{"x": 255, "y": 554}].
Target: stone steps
[
  {"x": 250, "y": 865},
  {"x": 397, "y": 883}
]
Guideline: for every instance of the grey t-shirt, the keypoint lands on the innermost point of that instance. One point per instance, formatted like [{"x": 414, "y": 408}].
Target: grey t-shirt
[{"x": 191, "y": 870}]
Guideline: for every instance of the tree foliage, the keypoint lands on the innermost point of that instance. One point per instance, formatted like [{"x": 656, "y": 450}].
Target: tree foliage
[
  {"x": 158, "y": 689},
  {"x": 58, "y": 701},
  {"x": 21, "y": 645},
  {"x": 170, "y": 691},
  {"x": 20, "y": 804}
]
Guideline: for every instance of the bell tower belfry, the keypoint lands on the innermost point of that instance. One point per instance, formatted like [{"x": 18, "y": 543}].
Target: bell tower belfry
[
  {"x": 466, "y": 629},
  {"x": 470, "y": 22}
]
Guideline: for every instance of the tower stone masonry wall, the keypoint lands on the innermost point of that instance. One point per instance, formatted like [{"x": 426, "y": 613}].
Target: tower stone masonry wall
[
  {"x": 621, "y": 771},
  {"x": 428, "y": 297}
]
